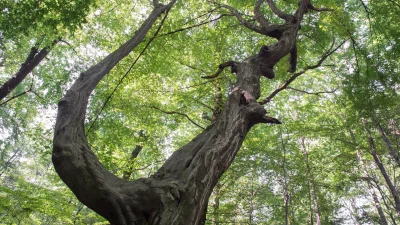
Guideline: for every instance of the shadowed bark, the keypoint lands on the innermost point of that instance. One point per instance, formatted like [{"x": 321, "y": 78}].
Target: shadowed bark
[{"x": 178, "y": 192}]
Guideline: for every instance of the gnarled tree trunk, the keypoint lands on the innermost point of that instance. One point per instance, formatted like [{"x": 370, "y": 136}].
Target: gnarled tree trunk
[{"x": 178, "y": 192}]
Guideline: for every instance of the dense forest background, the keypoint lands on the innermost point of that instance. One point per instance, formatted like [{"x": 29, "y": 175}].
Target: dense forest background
[{"x": 334, "y": 160}]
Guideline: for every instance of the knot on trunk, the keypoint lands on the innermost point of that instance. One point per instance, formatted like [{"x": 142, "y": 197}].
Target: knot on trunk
[
  {"x": 256, "y": 113},
  {"x": 265, "y": 66}
]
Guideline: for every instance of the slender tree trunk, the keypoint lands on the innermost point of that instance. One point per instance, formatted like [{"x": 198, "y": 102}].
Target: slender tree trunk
[
  {"x": 388, "y": 207},
  {"x": 286, "y": 195},
  {"x": 378, "y": 162},
  {"x": 312, "y": 184},
  {"x": 33, "y": 59},
  {"x": 286, "y": 199},
  {"x": 392, "y": 152},
  {"x": 355, "y": 212},
  {"x": 372, "y": 190},
  {"x": 251, "y": 204},
  {"x": 179, "y": 191}
]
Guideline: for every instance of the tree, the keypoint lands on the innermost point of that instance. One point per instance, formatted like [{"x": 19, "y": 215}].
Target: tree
[{"x": 178, "y": 192}]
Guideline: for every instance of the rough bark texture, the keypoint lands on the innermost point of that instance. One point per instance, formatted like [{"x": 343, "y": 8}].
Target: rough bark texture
[
  {"x": 178, "y": 192},
  {"x": 33, "y": 59}
]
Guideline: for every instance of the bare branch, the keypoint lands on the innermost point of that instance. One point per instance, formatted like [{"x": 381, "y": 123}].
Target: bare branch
[
  {"x": 258, "y": 16},
  {"x": 244, "y": 22},
  {"x": 294, "y": 76},
  {"x": 279, "y": 13},
  {"x": 312, "y": 93},
  {"x": 178, "y": 113}
]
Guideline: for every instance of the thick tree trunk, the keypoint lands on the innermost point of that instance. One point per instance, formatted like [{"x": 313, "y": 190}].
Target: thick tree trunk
[
  {"x": 372, "y": 190},
  {"x": 33, "y": 59},
  {"x": 178, "y": 192},
  {"x": 378, "y": 162}
]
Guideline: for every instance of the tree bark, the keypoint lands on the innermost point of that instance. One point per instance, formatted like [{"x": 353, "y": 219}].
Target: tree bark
[
  {"x": 178, "y": 192},
  {"x": 33, "y": 59},
  {"x": 378, "y": 162}
]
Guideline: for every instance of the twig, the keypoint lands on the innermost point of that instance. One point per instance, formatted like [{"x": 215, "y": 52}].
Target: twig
[
  {"x": 178, "y": 113},
  {"x": 187, "y": 65},
  {"x": 244, "y": 22},
  {"x": 23, "y": 93},
  {"x": 294, "y": 76},
  {"x": 312, "y": 93},
  {"x": 190, "y": 27}
]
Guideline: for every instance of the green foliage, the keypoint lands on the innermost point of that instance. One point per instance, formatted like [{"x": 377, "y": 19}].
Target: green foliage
[{"x": 49, "y": 18}]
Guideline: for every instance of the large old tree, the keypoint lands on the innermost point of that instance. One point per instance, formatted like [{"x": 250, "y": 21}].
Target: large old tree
[{"x": 178, "y": 192}]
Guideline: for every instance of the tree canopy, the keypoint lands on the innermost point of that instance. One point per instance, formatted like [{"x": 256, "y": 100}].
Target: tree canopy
[{"x": 173, "y": 98}]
